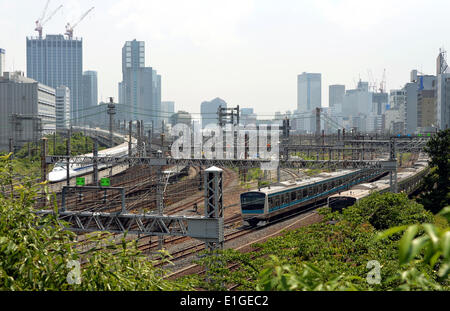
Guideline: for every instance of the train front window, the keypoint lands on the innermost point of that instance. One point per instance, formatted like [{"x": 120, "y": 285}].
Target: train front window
[
  {"x": 253, "y": 201},
  {"x": 339, "y": 203}
]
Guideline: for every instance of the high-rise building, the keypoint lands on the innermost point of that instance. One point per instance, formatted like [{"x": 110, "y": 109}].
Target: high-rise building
[
  {"x": 62, "y": 108},
  {"x": 90, "y": 89},
  {"x": 442, "y": 91},
  {"x": 209, "y": 110},
  {"x": 426, "y": 109},
  {"x": 27, "y": 110},
  {"x": 182, "y": 117},
  {"x": 140, "y": 89},
  {"x": 380, "y": 102},
  {"x": 56, "y": 61},
  {"x": 2, "y": 61},
  {"x": 357, "y": 101},
  {"x": 247, "y": 116},
  {"x": 443, "y": 101},
  {"x": 336, "y": 95},
  {"x": 395, "y": 115},
  {"x": 167, "y": 110},
  {"x": 309, "y": 91},
  {"x": 413, "y": 90},
  {"x": 309, "y": 97}
]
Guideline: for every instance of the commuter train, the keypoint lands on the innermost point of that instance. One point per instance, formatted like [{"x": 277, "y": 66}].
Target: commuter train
[
  {"x": 59, "y": 172},
  {"x": 262, "y": 206},
  {"x": 408, "y": 180}
]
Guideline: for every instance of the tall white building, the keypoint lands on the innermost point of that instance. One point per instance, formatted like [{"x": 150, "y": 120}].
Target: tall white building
[
  {"x": 357, "y": 101},
  {"x": 395, "y": 116},
  {"x": 62, "y": 108},
  {"x": 27, "y": 110}
]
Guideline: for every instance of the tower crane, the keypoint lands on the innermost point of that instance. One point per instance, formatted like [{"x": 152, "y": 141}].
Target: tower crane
[
  {"x": 383, "y": 83},
  {"x": 69, "y": 28},
  {"x": 40, "y": 24}
]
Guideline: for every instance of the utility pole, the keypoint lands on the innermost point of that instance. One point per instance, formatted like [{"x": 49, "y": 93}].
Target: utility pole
[
  {"x": 393, "y": 174},
  {"x": 130, "y": 134},
  {"x": 68, "y": 157},
  {"x": 95, "y": 153},
  {"x": 44, "y": 153},
  {"x": 111, "y": 112},
  {"x": 160, "y": 196}
]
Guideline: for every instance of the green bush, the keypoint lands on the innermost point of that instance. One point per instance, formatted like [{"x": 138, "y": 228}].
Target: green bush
[{"x": 36, "y": 252}]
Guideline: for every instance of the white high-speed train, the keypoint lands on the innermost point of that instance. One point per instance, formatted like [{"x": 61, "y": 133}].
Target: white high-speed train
[{"x": 59, "y": 172}]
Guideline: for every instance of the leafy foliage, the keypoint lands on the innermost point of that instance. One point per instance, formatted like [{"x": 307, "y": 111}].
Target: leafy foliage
[
  {"x": 333, "y": 254},
  {"x": 35, "y": 251},
  {"x": 437, "y": 185}
]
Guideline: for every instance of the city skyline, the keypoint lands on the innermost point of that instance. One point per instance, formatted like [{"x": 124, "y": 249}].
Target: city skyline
[{"x": 226, "y": 59}]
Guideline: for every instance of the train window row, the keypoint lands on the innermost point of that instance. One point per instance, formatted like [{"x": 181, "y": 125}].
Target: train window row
[{"x": 286, "y": 198}]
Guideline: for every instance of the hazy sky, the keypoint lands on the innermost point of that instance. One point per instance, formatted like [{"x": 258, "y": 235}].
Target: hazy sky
[{"x": 246, "y": 52}]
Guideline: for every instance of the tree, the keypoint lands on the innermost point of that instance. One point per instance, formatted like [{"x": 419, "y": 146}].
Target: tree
[
  {"x": 37, "y": 253},
  {"x": 437, "y": 185}
]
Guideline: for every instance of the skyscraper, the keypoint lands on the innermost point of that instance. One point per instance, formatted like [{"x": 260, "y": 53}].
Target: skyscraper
[
  {"x": 90, "y": 89},
  {"x": 140, "y": 89},
  {"x": 208, "y": 111},
  {"x": 336, "y": 95},
  {"x": 2, "y": 61},
  {"x": 309, "y": 97},
  {"x": 62, "y": 108},
  {"x": 309, "y": 91},
  {"x": 443, "y": 101},
  {"x": 56, "y": 61},
  {"x": 167, "y": 110}
]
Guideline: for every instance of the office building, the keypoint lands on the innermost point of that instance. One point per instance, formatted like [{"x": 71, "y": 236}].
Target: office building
[
  {"x": 56, "y": 61},
  {"x": 209, "y": 110},
  {"x": 140, "y": 89},
  {"x": 181, "y": 117},
  {"x": 426, "y": 109},
  {"x": 2, "y": 61},
  {"x": 413, "y": 90},
  {"x": 357, "y": 101},
  {"x": 336, "y": 95},
  {"x": 90, "y": 90},
  {"x": 443, "y": 101},
  {"x": 27, "y": 110},
  {"x": 309, "y": 97},
  {"x": 380, "y": 102},
  {"x": 247, "y": 116},
  {"x": 167, "y": 110},
  {"x": 62, "y": 108},
  {"x": 395, "y": 114}
]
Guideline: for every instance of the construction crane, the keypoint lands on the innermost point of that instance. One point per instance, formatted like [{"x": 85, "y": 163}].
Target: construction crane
[
  {"x": 383, "y": 83},
  {"x": 40, "y": 24},
  {"x": 69, "y": 28}
]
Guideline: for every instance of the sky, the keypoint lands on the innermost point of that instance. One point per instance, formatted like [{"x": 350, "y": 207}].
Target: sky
[{"x": 247, "y": 52}]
